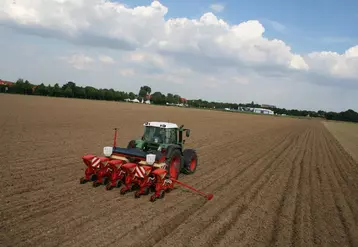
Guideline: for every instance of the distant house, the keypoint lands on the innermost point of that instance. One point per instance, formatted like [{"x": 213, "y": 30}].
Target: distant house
[
  {"x": 6, "y": 83},
  {"x": 262, "y": 111},
  {"x": 268, "y": 106},
  {"x": 148, "y": 97}
]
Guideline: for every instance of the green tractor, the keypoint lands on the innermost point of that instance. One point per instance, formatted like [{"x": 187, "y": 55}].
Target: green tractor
[{"x": 165, "y": 140}]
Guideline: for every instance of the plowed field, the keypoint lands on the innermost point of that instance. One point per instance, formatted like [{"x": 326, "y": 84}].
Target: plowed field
[{"x": 276, "y": 181}]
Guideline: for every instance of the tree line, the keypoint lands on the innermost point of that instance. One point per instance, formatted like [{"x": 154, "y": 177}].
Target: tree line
[{"x": 71, "y": 90}]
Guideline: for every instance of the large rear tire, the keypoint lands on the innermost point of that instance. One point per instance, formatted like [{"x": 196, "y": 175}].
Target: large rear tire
[
  {"x": 174, "y": 162},
  {"x": 190, "y": 161}
]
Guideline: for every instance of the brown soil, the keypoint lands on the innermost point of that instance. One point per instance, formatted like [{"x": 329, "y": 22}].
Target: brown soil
[
  {"x": 346, "y": 134},
  {"x": 276, "y": 181}
]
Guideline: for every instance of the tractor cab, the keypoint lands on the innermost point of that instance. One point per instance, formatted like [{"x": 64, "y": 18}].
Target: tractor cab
[{"x": 162, "y": 134}]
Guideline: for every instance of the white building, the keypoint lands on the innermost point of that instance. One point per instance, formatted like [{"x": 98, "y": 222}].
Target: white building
[{"x": 262, "y": 111}]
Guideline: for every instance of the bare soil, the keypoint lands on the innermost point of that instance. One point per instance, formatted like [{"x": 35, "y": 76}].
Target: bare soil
[
  {"x": 346, "y": 134},
  {"x": 276, "y": 181}
]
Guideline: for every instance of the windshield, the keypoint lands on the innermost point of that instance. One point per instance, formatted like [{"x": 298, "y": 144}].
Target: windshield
[{"x": 159, "y": 135}]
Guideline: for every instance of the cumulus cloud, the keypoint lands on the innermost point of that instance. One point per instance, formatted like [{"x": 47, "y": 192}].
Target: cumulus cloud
[
  {"x": 79, "y": 61},
  {"x": 106, "y": 59},
  {"x": 217, "y": 7},
  {"x": 338, "y": 65},
  {"x": 177, "y": 50},
  {"x": 126, "y": 72}
]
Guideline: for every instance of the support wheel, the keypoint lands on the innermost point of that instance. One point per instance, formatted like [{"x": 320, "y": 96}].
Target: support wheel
[
  {"x": 146, "y": 191},
  {"x": 162, "y": 193},
  {"x": 109, "y": 187},
  {"x": 118, "y": 183},
  {"x": 83, "y": 181},
  {"x": 137, "y": 194},
  {"x": 95, "y": 184},
  {"x": 135, "y": 187},
  {"x": 105, "y": 180},
  {"x": 123, "y": 191},
  {"x": 153, "y": 198},
  {"x": 93, "y": 177}
]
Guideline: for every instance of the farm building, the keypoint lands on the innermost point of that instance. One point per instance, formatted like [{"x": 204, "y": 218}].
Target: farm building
[
  {"x": 262, "y": 111},
  {"x": 6, "y": 83},
  {"x": 268, "y": 106}
]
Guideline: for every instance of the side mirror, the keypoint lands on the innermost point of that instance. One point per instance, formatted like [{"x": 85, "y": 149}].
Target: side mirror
[{"x": 187, "y": 133}]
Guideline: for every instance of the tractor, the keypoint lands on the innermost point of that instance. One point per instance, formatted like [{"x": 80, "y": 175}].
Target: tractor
[
  {"x": 166, "y": 140},
  {"x": 150, "y": 163}
]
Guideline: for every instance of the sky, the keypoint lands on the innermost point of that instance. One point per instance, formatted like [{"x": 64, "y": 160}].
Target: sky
[{"x": 294, "y": 54}]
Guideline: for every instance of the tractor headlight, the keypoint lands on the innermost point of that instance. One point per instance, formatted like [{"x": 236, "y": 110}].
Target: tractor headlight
[
  {"x": 150, "y": 159},
  {"x": 107, "y": 151}
]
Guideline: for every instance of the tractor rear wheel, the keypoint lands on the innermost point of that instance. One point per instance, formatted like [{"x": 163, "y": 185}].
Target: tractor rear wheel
[
  {"x": 190, "y": 161},
  {"x": 174, "y": 163}
]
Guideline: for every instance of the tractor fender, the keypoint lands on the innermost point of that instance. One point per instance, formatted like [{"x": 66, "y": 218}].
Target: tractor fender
[
  {"x": 131, "y": 144},
  {"x": 171, "y": 149}
]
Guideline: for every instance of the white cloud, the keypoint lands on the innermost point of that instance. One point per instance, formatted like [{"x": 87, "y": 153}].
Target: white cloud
[
  {"x": 338, "y": 65},
  {"x": 106, "y": 59},
  {"x": 126, "y": 72},
  {"x": 217, "y": 7},
  {"x": 188, "y": 52},
  {"x": 79, "y": 61}
]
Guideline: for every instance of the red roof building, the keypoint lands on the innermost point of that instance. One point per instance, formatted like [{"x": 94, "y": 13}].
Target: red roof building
[
  {"x": 6, "y": 83},
  {"x": 183, "y": 100}
]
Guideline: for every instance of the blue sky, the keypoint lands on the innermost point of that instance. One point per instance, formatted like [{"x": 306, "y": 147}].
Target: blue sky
[
  {"x": 310, "y": 25},
  {"x": 306, "y": 58}
]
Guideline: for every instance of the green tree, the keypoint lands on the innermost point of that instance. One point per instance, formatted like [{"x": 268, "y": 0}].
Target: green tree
[
  {"x": 158, "y": 98},
  {"x": 144, "y": 91},
  {"x": 176, "y": 99},
  {"x": 170, "y": 98},
  {"x": 41, "y": 90},
  {"x": 68, "y": 93},
  {"x": 56, "y": 91},
  {"x": 91, "y": 92},
  {"x": 80, "y": 92},
  {"x": 131, "y": 95}
]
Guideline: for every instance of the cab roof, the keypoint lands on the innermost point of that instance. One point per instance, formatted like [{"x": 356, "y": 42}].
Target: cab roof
[{"x": 164, "y": 125}]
